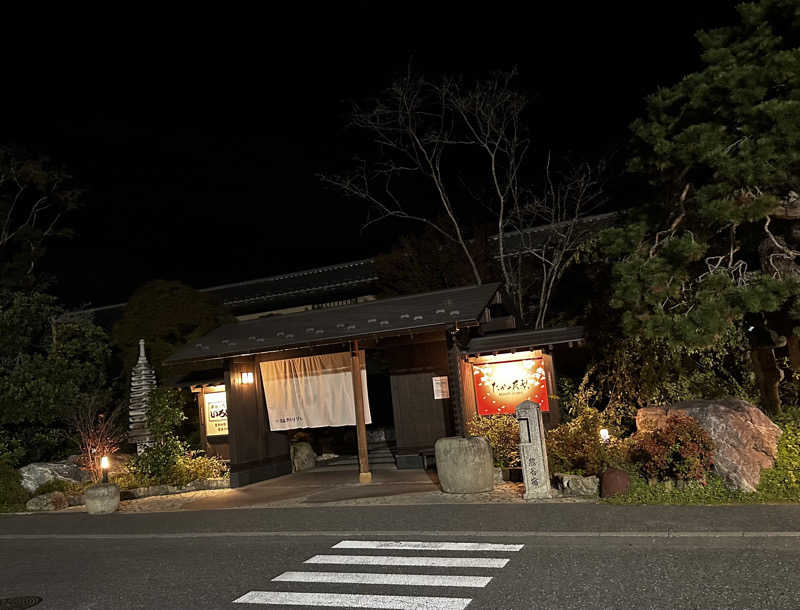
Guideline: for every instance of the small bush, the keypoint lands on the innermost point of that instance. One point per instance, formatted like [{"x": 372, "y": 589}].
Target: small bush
[
  {"x": 193, "y": 465},
  {"x": 680, "y": 450},
  {"x": 12, "y": 494},
  {"x": 165, "y": 413},
  {"x": 782, "y": 481},
  {"x": 502, "y": 432},
  {"x": 576, "y": 446},
  {"x": 70, "y": 488},
  {"x": 154, "y": 464}
]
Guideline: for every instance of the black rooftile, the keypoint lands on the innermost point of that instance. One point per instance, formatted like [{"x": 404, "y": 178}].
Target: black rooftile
[
  {"x": 524, "y": 339},
  {"x": 397, "y": 315}
]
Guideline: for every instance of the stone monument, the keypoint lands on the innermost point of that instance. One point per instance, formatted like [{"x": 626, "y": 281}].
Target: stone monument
[
  {"x": 143, "y": 382},
  {"x": 532, "y": 451}
]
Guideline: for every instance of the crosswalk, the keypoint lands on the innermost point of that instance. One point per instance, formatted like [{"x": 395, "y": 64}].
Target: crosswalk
[{"x": 387, "y": 578}]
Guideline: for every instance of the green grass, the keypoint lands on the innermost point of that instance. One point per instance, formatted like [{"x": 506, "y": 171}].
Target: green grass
[{"x": 715, "y": 491}]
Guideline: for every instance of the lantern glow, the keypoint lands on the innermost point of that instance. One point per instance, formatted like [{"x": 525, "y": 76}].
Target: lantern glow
[
  {"x": 604, "y": 436},
  {"x": 104, "y": 462}
]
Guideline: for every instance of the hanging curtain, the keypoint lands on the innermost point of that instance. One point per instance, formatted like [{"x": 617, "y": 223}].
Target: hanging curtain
[{"x": 313, "y": 391}]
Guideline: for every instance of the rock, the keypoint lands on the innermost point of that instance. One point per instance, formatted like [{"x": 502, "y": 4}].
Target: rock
[
  {"x": 303, "y": 457},
  {"x": 576, "y": 485},
  {"x": 55, "y": 500},
  {"x": 102, "y": 499},
  {"x": 498, "y": 476},
  {"x": 614, "y": 481},
  {"x": 76, "y": 500},
  {"x": 745, "y": 440},
  {"x": 464, "y": 465},
  {"x": 39, "y": 473}
]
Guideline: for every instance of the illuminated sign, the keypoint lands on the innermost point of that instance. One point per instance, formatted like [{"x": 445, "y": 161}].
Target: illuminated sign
[
  {"x": 216, "y": 413},
  {"x": 501, "y": 386}
]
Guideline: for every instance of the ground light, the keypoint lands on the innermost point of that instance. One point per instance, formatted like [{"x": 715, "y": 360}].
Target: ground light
[
  {"x": 604, "y": 436},
  {"x": 104, "y": 465}
]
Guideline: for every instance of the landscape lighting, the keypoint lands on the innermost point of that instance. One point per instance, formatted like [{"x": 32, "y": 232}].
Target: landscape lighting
[
  {"x": 247, "y": 377},
  {"x": 604, "y": 435},
  {"x": 104, "y": 465}
]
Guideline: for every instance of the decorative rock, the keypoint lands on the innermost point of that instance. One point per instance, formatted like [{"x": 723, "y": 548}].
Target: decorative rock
[
  {"x": 303, "y": 457},
  {"x": 55, "y": 500},
  {"x": 614, "y": 481},
  {"x": 745, "y": 439},
  {"x": 39, "y": 473},
  {"x": 102, "y": 499},
  {"x": 498, "y": 476},
  {"x": 576, "y": 485},
  {"x": 464, "y": 465}
]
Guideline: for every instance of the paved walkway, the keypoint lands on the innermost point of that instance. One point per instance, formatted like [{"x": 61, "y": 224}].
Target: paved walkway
[{"x": 329, "y": 486}]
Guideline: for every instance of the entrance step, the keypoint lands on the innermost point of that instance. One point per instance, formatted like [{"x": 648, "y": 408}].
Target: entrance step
[{"x": 378, "y": 452}]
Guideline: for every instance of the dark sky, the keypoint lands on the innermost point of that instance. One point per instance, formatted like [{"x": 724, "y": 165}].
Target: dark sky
[{"x": 198, "y": 136}]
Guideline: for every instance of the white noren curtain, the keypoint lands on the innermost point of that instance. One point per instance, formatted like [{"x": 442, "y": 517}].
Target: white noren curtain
[{"x": 313, "y": 391}]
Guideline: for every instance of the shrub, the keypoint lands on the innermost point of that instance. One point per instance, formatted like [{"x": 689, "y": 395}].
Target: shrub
[
  {"x": 154, "y": 464},
  {"x": 576, "y": 446},
  {"x": 70, "y": 488},
  {"x": 502, "y": 433},
  {"x": 679, "y": 450},
  {"x": 12, "y": 494},
  {"x": 782, "y": 481},
  {"x": 165, "y": 412},
  {"x": 193, "y": 465},
  {"x": 99, "y": 431}
]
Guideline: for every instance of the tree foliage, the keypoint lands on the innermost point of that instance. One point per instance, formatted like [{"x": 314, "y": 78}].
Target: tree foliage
[
  {"x": 167, "y": 315},
  {"x": 51, "y": 362},
  {"x": 34, "y": 198},
  {"x": 718, "y": 242}
]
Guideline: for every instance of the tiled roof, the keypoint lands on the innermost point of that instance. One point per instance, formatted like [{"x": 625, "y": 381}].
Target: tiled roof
[
  {"x": 524, "y": 339},
  {"x": 386, "y": 317},
  {"x": 539, "y": 236},
  {"x": 321, "y": 281}
]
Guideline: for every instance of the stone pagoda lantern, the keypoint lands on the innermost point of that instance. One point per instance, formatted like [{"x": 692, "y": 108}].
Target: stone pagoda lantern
[{"x": 143, "y": 382}]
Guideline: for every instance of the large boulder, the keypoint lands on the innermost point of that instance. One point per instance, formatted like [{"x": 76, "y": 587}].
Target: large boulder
[
  {"x": 745, "y": 440},
  {"x": 55, "y": 500},
  {"x": 464, "y": 465},
  {"x": 39, "y": 473}
]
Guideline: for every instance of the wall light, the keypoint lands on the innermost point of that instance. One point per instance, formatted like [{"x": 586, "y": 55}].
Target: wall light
[
  {"x": 247, "y": 377},
  {"x": 604, "y": 435}
]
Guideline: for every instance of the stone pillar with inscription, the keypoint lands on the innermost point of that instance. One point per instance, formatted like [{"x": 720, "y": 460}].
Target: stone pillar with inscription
[{"x": 532, "y": 451}]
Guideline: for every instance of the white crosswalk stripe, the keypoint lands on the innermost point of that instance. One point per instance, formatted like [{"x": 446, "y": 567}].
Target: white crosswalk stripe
[
  {"x": 369, "y": 578},
  {"x": 387, "y": 578},
  {"x": 346, "y": 600},
  {"x": 426, "y": 546},
  {"x": 388, "y": 560}
]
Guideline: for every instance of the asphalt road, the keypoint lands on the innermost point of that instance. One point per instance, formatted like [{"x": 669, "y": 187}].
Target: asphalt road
[{"x": 571, "y": 556}]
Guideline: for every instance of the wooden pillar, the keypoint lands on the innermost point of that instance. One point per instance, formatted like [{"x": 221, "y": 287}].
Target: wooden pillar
[{"x": 364, "y": 476}]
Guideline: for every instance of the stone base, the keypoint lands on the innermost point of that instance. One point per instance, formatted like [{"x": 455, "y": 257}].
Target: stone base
[
  {"x": 102, "y": 499},
  {"x": 365, "y": 477}
]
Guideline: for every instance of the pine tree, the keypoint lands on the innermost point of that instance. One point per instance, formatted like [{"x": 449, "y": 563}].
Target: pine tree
[{"x": 718, "y": 242}]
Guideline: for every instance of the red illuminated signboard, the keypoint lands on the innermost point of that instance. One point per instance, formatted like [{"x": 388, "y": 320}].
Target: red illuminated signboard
[{"x": 501, "y": 386}]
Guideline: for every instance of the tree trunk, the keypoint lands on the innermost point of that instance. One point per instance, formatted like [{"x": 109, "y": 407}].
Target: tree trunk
[{"x": 769, "y": 376}]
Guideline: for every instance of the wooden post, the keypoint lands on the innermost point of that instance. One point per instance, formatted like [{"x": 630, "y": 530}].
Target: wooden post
[{"x": 364, "y": 476}]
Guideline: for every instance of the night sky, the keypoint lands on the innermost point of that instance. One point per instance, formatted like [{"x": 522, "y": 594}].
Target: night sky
[{"x": 198, "y": 137}]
